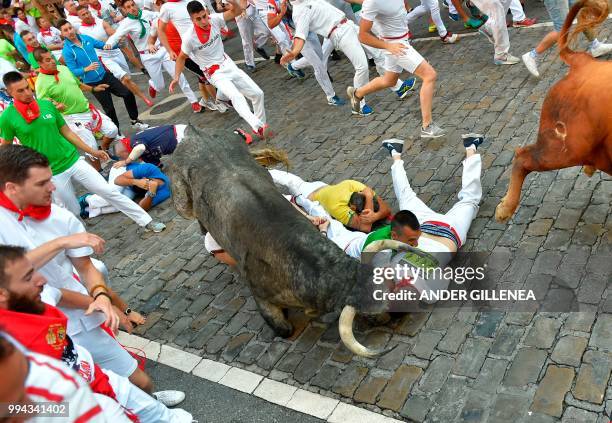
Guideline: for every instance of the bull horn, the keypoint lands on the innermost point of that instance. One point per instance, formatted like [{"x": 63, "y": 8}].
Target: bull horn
[{"x": 345, "y": 327}]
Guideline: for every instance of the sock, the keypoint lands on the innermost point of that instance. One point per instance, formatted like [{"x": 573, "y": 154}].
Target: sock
[
  {"x": 595, "y": 43},
  {"x": 471, "y": 147},
  {"x": 534, "y": 54}
]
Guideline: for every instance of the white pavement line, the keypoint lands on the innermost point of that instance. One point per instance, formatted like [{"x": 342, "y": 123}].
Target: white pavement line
[
  {"x": 257, "y": 59},
  {"x": 329, "y": 409}
]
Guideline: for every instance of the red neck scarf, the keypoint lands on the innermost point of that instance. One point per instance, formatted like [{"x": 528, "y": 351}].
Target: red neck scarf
[
  {"x": 203, "y": 34},
  {"x": 42, "y": 333},
  {"x": 46, "y": 32},
  {"x": 55, "y": 73},
  {"x": 73, "y": 14},
  {"x": 25, "y": 20},
  {"x": 29, "y": 111},
  {"x": 126, "y": 143},
  {"x": 83, "y": 23},
  {"x": 173, "y": 1},
  {"x": 30, "y": 49},
  {"x": 35, "y": 212}
]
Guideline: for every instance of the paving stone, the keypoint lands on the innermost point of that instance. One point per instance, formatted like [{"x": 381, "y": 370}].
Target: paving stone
[
  {"x": 311, "y": 363},
  {"x": 394, "y": 358},
  {"x": 569, "y": 350},
  {"x": 369, "y": 390},
  {"x": 491, "y": 375},
  {"x": 349, "y": 380},
  {"x": 326, "y": 377},
  {"x": 425, "y": 344},
  {"x": 509, "y": 408},
  {"x": 593, "y": 377},
  {"x": 551, "y": 391},
  {"x": 290, "y": 362},
  {"x": 507, "y": 340},
  {"x": 274, "y": 352},
  {"x": 416, "y": 408},
  {"x": 525, "y": 367},
  {"x": 455, "y": 336},
  {"x": 235, "y": 345},
  {"x": 216, "y": 343},
  {"x": 412, "y": 323},
  {"x": 487, "y": 323},
  {"x": 573, "y": 414},
  {"x": 249, "y": 354},
  {"x": 310, "y": 336},
  {"x": 436, "y": 374},
  {"x": 592, "y": 287},
  {"x": 601, "y": 337},
  {"x": 471, "y": 358},
  {"x": 399, "y": 386},
  {"x": 477, "y": 407},
  {"x": 543, "y": 332},
  {"x": 580, "y": 321},
  {"x": 449, "y": 401}
]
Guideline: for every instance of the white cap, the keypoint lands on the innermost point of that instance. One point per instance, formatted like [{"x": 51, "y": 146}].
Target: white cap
[{"x": 210, "y": 244}]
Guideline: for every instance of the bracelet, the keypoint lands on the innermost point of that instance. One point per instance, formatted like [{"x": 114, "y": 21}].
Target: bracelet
[
  {"x": 104, "y": 294},
  {"x": 100, "y": 285},
  {"x": 324, "y": 233},
  {"x": 127, "y": 311}
]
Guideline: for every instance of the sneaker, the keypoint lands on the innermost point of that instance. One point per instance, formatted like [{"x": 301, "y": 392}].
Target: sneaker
[
  {"x": 531, "y": 64},
  {"x": 474, "y": 11},
  {"x": 196, "y": 107},
  {"x": 158, "y": 227},
  {"x": 336, "y": 101},
  {"x": 244, "y": 135},
  {"x": 139, "y": 125},
  {"x": 169, "y": 398},
  {"x": 295, "y": 73},
  {"x": 432, "y": 131},
  {"x": 473, "y": 23},
  {"x": 277, "y": 58},
  {"x": 152, "y": 92},
  {"x": 178, "y": 415},
  {"x": 445, "y": 4},
  {"x": 209, "y": 104},
  {"x": 365, "y": 110},
  {"x": 263, "y": 53},
  {"x": 83, "y": 204},
  {"x": 250, "y": 68},
  {"x": 227, "y": 33},
  {"x": 600, "y": 49},
  {"x": 472, "y": 139},
  {"x": 407, "y": 86},
  {"x": 432, "y": 28},
  {"x": 454, "y": 17},
  {"x": 264, "y": 132},
  {"x": 506, "y": 59},
  {"x": 335, "y": 56},
  {"x": 355, "y": 107},
  {"x": 484, "y": 31},
  {"x": 221, "y": 106},
  {"x": 449, "y": 38},
  {"x": 393, "y": 145},
  {"x": 148, "y": 102},
  {"x": 524, "y": 23}
]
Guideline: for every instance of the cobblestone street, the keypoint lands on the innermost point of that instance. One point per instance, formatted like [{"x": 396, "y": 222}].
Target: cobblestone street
[{"x": 448, "y": 365}]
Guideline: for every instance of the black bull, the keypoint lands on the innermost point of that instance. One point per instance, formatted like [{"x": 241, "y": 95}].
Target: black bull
[{"x": 282, "y": 257}]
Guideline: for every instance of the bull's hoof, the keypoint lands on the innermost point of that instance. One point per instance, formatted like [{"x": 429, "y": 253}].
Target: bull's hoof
[
  {"x": 503, "y": 212},
  {"x": 284, "y": 331}
]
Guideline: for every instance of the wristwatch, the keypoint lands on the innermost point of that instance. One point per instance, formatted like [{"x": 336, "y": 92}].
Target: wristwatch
[{"x": 127, "y": 311}]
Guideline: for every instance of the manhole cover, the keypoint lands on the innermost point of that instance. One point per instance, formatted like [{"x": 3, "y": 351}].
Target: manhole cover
[{"x": 167, "y": 106}]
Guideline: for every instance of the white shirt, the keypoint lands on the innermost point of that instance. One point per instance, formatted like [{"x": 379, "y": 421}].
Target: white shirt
[
  {"x": 98, "y": 32},
  {"x": 212, "y": 52},
  {"x": 132, "y": 27},
  {"x": 315, "y": 16},
  {"x": 75, "y": 21},
  {"x": 22, "y": 26},
  {"x": 5, "y": 67},
  {"x": 176, "y": 12},
  {"x": 54, "y": 38},
  {"x": 389, "y": 16},
  {"x": 31, "y": 233},
  {"x": 144, "y": 4}
]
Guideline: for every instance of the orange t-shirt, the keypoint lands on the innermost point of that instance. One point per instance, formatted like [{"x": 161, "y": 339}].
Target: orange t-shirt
[{"x": 174, "y": 38}]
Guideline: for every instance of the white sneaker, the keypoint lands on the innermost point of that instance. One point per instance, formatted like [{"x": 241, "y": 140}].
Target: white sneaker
[
  {"x": 220, "y": 106},
  {"x": 600, "y": 50},
  {"x": 139, "y": 125},
  {"x": 157, "y": 227},
  {"x": 531, "y": 64},
  {"x": 170, "y": 398},
  {"x": 181, "y": 416},
  {"x": 506, "y": 59},
  {"x": 209, "y": 104}
]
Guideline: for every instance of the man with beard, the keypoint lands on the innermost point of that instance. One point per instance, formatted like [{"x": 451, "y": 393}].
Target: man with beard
[{"x": 41, "y": 328}]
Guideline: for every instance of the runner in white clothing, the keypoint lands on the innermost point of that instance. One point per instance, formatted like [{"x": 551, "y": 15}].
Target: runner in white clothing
[
  {"x": 141, "y": 26},
  {"x": 71, "y": 14},
  {"x": 391, "y": 20},
  {"x": 113, "y": 59},
  {"x": 204, "y": 46},
  {"x": 433, "y": 8},
  {"x": 252, "y": 31},
  {"x": 50, "y": 36}
]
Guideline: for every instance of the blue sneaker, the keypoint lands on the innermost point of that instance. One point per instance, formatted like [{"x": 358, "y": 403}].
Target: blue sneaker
[
  {"x": 336, "y": 101},
  {"x": 295, "y": 73},
  {"x": 250, "y": 68},
  {"x": 83, "y": 205},
  {"x": 407, "y": 86},
  {"x": 454, "y": 17},
  {"x": 366, "y": 110}
]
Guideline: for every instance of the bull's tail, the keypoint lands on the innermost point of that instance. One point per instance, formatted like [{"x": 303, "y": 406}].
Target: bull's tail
[
  {"x": 269, "y": 157},
  {"x": 591, "y": 14}
]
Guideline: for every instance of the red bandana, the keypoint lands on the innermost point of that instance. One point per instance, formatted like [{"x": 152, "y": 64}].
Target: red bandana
[
  {"x": 83, "y": 23},
  {"x": 46, "y": 32},
  {"x": 42, "y": 333},
  {"x": 24, "y": 20},
  {"x": 30, "y": 49},
  {"x": 203, "y": 34},
  {"x": 126, "y": 143},
  {"x": 54, "y": 73},
  {"x": 29, "y": 111},
  {"x": 35, "y": 212},
  {"x": 73, "y": 14}
]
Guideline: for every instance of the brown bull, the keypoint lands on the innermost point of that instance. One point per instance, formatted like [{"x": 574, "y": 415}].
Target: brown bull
[{"x": 576, "y": 119}]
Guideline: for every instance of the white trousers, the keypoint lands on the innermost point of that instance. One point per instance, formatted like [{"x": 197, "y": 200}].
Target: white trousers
[
  {"x": 252, "y": 26},
  {"x": 461, "y": 215},
  {"x": 433, "y": 8},
  {"x": 115, "y": 62},
  {"x": 88, "y": 177},
  {"x": 296, "y": 185},
  {"x": 106, "y": 351},
  {"x": 98, "y": 205},
  {"x": 83, "y": 124},
  {"x": 496, "y": 24},
  {"x": 351, "y": 242},
  {"x": 345, "y": 38},
  {"x": 313, "y": 56},
  {"x": 518, "y": 13},
  {"x": 154, "y": 62},
  {"x": 279, "y": 32},
  {"x": 235, "y": 84},
  {"x": 147, "y": 408}
]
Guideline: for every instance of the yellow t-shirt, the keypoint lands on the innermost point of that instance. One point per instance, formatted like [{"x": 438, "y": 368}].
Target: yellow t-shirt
[{"x": 335, "y": 199}]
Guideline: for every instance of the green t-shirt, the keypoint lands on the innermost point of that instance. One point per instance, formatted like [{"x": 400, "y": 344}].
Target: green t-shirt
[
  {"x": 67, "y": 91},
  {"x": 377, "y": 235},
  {"x": 6, "y": 49},
  {"x": 42, "y": 135}
]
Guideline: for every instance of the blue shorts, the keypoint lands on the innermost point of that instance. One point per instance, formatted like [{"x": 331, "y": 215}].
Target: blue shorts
[{"x": 558, "y": 10}]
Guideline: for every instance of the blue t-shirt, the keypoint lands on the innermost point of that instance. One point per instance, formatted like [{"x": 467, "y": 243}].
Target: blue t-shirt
[
  {"x": 20, "y": 45},
  {"x": 147, "y": 170}
]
